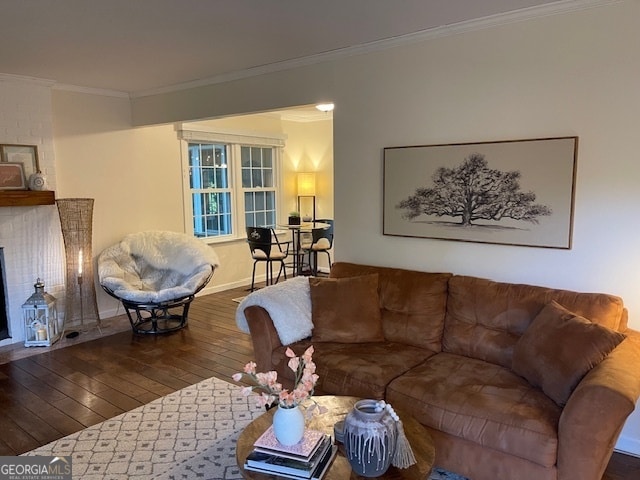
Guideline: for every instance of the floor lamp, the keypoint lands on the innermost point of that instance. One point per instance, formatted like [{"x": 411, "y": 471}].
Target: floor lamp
[
  {"x": 307, "y": 188},
  {"x": 76, "y": 218}
]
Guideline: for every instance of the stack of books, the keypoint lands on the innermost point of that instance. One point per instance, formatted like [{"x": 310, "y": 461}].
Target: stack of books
[{"x": 308, "y": 459}]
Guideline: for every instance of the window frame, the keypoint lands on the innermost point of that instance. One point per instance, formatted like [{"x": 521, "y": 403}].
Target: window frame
[
  {"x": 197, "y": 173},
  {"x": 234, "y": 140},
  {"x": 254, "y": 191}
]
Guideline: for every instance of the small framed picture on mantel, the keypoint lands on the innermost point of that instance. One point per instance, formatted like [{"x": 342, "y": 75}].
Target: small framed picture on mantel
[
  {"x": 27, "y": 155},
  {"x": 12, "y": 176}
]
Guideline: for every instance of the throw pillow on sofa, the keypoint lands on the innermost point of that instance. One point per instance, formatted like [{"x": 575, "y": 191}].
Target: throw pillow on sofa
[
  {"x": 346, "y": 310},
  {"x": 558, "y": 350}
]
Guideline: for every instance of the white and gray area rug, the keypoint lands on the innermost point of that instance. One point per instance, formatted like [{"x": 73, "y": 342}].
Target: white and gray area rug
[{"x": 188, "y": 434}]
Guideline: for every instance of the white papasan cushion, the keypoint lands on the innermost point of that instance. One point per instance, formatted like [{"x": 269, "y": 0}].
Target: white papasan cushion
[{"x": 156, "y": 266}]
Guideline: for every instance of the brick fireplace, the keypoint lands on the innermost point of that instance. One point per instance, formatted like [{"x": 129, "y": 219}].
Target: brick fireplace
[{"x": 30, "y": 236}]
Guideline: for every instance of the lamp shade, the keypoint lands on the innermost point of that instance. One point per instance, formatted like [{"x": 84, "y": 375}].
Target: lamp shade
[{"x": 306, "y": 184}]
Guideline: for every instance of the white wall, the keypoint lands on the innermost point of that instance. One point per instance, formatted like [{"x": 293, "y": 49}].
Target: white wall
[
  {"x": 310, "y": 149},
  {"x": 132, "y": 174},
  {"x": 570, "y": 74}
]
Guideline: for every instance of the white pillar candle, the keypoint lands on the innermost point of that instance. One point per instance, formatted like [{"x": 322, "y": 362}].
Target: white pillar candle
[
  {"x": 42, "y": 334},
  {"x": 80, "y": 263}
]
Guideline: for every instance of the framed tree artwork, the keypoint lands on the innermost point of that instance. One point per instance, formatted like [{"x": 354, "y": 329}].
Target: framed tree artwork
[{"x": 513, "y": 192}]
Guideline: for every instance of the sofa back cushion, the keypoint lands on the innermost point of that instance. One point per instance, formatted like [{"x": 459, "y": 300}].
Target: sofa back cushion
[
  {"x": 485, "y": 319},
  {"x": 413, "y": 304},
  {"x": 346, "y": 310},
  {"x": 559, "y": 348}
]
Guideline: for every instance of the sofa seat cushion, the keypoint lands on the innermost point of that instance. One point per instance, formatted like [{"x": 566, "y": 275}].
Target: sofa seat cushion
[
  {"x": 361, "y": 369},
  {"x": 482, "y": 403}
]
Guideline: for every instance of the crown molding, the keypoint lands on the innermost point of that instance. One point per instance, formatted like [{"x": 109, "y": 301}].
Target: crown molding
[
  {"x": 90, "y": 91},
  {"x": 44, "y": 82},
  {"x": 8, "y": 77},
  {"x": 299, "y": 116},
  {"x": 555, "y": 8}
]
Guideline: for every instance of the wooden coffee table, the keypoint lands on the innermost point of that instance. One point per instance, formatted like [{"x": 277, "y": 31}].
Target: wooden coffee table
[{"x": 338, "y": 407}]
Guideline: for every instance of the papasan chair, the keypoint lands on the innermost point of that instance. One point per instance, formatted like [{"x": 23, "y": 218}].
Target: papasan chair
[{"x": 156, "y": 275}]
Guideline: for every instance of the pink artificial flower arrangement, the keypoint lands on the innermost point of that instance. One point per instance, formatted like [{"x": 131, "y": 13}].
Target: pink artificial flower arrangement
[{"x": 270, "y": 391}]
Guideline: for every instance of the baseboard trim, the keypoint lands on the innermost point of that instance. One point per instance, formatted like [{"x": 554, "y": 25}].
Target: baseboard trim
[{"x": 228, "y": 286}]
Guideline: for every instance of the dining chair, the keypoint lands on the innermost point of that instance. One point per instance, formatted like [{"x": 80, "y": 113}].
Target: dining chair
[
  {"x": 321, "y": 242},
  {"x": 265, "y": 247}
]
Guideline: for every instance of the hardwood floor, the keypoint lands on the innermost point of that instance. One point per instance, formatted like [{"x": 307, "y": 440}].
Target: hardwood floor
[{"x": 48, "y": 395}]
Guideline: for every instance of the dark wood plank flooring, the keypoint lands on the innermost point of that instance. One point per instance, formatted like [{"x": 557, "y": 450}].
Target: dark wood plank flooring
[{"x": 55, "y": 393}]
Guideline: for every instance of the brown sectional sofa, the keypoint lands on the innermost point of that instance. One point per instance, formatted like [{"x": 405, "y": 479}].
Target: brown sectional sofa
[{"x": 447, "y": 359}]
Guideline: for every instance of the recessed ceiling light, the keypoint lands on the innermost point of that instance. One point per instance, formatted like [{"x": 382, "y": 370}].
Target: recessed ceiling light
[{"x": 325, "y": 107}]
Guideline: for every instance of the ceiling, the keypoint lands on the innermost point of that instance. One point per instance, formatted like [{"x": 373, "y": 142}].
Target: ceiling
[{"x": 142, "y": 46}]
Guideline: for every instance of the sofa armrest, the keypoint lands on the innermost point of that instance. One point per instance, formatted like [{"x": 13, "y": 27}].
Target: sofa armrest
[
  {"x": 595, "y": 414},
  {"x": 263, "y": 335}
]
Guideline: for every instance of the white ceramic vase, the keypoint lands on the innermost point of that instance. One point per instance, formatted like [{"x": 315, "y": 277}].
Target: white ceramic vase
[
  {"x": 288, "y": 425},
  {"x": 37, "y": 181}
]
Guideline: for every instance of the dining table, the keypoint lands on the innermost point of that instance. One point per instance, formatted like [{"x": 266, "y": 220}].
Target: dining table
[{"x": 296, "y": 234}]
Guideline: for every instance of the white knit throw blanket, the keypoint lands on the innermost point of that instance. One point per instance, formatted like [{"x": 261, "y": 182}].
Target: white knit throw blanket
[{"x": 288, "y": 304}]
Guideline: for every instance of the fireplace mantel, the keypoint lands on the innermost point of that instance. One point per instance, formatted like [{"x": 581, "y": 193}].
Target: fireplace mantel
[{"x": 26, "y": 198}]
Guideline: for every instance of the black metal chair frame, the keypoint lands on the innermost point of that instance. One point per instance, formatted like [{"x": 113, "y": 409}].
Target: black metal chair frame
[
  {"x": 316, "y": 235},
  {"x": 261, "y": 238},
  {"x": 161, "y": 317}
]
